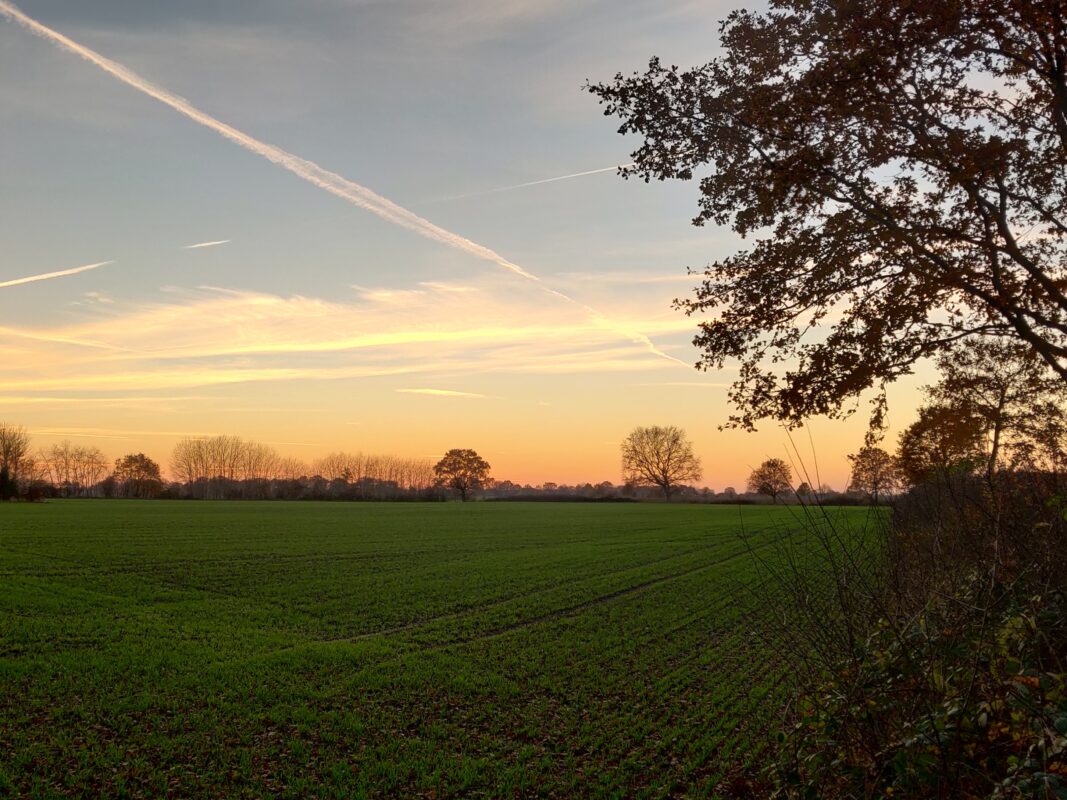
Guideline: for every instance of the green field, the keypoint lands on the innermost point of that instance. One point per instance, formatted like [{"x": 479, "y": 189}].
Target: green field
[{"x": 153, "y": 649}]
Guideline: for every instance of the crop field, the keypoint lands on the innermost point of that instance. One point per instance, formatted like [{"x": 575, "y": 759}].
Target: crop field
[{"x": 168, "y": 649}]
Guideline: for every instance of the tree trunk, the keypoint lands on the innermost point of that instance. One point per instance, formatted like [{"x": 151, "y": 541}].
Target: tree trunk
[{"x": 998, "y": 426}]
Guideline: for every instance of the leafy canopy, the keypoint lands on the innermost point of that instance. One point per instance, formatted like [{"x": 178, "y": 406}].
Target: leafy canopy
[
  {"x": 772, "y": 478},
  {"x": 462, "y": 470},
  {"x": 901, "y": 169}
]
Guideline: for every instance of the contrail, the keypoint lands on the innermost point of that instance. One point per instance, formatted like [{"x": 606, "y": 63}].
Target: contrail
[
  {"x": 202, "y": 245},
  {"x": 44, "y": 276},
  {"x": 536, "y": 183},
  {"x": 308, "y": 170}
]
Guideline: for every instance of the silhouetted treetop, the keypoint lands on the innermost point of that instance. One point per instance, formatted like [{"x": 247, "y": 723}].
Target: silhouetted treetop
[{"x": 902, "y": 167}]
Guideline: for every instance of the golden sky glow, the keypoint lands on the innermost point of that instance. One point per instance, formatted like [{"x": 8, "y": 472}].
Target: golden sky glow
[{"x": 242, "y": 298}]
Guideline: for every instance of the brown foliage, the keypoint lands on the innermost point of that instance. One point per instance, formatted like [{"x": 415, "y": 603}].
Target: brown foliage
[{"x": 902, "y": 166}]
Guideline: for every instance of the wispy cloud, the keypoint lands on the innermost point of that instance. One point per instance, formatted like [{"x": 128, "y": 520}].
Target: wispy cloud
[
  {"x": 442, "y": 393},
  {"x": 202, "y": 245},
  {"x": 46, "y": 276},
  {"x": 311, "y": 172},
  {"x": 448, "y": 287},
  {"x": 692, "y": 384},
  {"x": 628, "y": 277},
  {"x": 540, "y": 182},
  {"x": 141, "y": 402},
  {"x": 213, "y": 337}
]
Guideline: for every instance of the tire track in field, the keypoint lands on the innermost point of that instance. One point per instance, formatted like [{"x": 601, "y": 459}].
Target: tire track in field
[
  {"x": 501, "y": 601},
  {"x": 603, "y": 599},
  {"x": 571, "y": 610}
]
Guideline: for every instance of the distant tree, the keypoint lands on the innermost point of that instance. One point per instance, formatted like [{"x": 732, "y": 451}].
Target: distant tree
[
  {"x": 773, "y": 478},
  {"x": 462, "y": 470},
  {"x": 805, "y": 493},
  {"x": 891, "y": 160},
  {"x": 73, "y": 470},
  {"x": 14, "y": 447},
  {"x": 875, "y": 473},
  {"x": 659, "y": 456},
  {"x": 136, "y": 475},
  {"x": 940, "y": 441},
  {"x": 729, "y": 492}
]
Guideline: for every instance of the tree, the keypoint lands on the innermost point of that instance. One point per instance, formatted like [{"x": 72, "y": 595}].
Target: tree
[
  {"x": 772, "y": 478},
  {"x": 73, "y": 470},
  {"x": 9, "y": 490},
  {"x": 659, "y": 456},
  {"x": 903, "y": 169},
  {"x": 942, "y": 440},
  {"x": 14, "y": 447},
  {"x": 462, "y": 470},
  {"x": 1005, "y": 387},
  {"x": 136, "y": 475},
  {"x": 875, "y": 473}
]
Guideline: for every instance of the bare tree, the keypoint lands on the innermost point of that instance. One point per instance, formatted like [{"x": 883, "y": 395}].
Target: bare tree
[
  {"x": 14, "y": 447},
  {"x": 74, "y": 470},
  {"x": 659, "y": 456}
]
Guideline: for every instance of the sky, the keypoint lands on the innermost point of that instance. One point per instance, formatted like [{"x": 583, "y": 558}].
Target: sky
[{"x": 311, "y": 224}]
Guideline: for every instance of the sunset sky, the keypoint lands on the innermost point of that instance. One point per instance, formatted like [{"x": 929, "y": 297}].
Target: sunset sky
[{"x": 363, "y": 271}]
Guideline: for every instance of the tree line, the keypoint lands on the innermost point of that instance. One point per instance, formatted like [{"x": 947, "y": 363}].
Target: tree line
[{"x": 659, "y": 463}]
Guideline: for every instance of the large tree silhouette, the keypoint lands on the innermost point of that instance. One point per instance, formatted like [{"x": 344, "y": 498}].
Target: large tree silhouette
[
  {"x": 902, "y": 169},
  {"x": 462, "y": 470}
]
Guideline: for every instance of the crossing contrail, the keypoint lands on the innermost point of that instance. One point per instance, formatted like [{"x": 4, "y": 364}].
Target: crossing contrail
[
  {"x": 311, "y": 172},
  {"x": 45, "y": 276},
  {"x": 537, "y": 183}
]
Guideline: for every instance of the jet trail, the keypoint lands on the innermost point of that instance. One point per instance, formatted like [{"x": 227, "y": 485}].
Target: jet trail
[
  {"x": 202, "y": 245},
  {"x": 311, "y": 172},
  {"x": 44, "y": 276},
  {"x": 308, "y": 170},
  {"x": 537, "y": 183}
]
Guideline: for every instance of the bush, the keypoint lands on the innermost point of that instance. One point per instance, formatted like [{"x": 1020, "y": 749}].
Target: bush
[{"x": 928, "y": 654}]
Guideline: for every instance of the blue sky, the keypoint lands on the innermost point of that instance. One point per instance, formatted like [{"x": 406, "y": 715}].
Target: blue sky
[{"x": 313, "y": 323}]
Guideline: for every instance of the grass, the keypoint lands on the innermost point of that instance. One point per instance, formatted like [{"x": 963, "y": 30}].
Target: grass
[{"x": 154, "y": 649}]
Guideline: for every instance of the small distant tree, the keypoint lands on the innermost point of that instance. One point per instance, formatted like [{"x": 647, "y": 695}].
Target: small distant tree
[
  {"x": 805, "y": 493},
  {"x": 14, "y": 447},
  {"x": 773, "y": 478},
  {"x": 462, "y": 470},
  {"x": 136, "y": 475},
  {"x": 659, "y": 456},
  {"x": 875, "y": 473}
]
